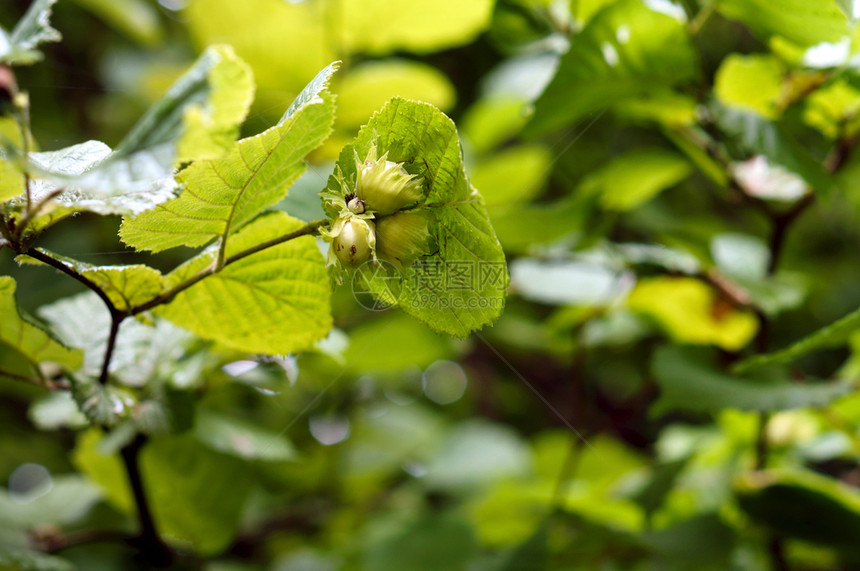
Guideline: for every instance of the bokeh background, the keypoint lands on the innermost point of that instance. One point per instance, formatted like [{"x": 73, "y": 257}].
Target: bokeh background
[{"x": 595, "y": 425}]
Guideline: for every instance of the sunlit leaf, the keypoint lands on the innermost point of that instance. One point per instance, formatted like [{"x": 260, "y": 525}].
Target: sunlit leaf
[
  {"x": 625, "y": 51},
  {"x": 34, "y": 28},
  {"x": 275, "y": 301},
  {"x": 804, "y": 23},
  {"x": 753, "y": 82},
  {"x": 24, "y": 336},
  {"x": 221, "y": 195},
  {"x": 690, "y": 312},
  {"x": 629, "y": 180},
  {"x": 366, "y": 87}
]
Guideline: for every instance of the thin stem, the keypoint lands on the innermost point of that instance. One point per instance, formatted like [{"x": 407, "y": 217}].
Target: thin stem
[
  {"x": 115, "y": 321},
  {"x": 74, "y": 274},
  {"x": 17, "y": 377},
  {"x": 167, "y": 296},
  {"x": 56, "y": 542},
  {"x": 148, "y": 541}
]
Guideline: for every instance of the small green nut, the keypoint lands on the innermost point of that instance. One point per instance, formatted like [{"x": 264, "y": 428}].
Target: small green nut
[
  {"x": 356, "y": 205},
  {"x": 385, "y": 186},
  {"x": 402, "y": 238},
  {"x": 353, "y": 241}
]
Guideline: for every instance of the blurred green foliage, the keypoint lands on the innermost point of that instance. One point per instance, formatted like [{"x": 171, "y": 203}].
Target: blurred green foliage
[{"x": 670, "y": 385}]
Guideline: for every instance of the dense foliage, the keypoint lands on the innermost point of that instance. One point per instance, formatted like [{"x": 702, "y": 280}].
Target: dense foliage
[{"x": 422, "y": 285}]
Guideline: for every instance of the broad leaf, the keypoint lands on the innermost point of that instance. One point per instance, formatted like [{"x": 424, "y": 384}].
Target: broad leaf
[
  {"x": 27, "y": 560},
  {"x": 800, "y": 21},
  {"x": 630, "y": 180},
  {"x": 173, "y": 468},
  {"x": 34, "y": 28},
  {"x": 30, "y": 340},
  {"x": 833, "y": 335},
  {"x": 236, "y": 437},
  {"x": 626, "y": 51},
  {"x": 365, "y": 88},
  {"x": 690, "y": 311},
  {"x": 275, "y": 301},
  {"x": 125, "y": 286},
  {"x": 460, "y": 287},
  {"x": 751, "y": 82},
  {"x": 197, "y": 495},
  {"x": 749, "y": 133},
  {"x": 221, "y": 195},
  {"x": 137, "y": 19},
  {"x": 198, "y": 117},
  {"x": 11, "y": 177},
  {"x": 688, "y": 382},
  {"x": 142, "y": 354}
]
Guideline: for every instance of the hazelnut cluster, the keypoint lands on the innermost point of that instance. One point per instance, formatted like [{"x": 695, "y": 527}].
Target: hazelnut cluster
[{"x": 374, "y": 220}]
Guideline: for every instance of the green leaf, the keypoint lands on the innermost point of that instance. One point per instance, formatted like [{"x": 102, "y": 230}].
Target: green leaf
[
  {"x": 142, "y": 354},
  {"x": 67, "y": 501},
  {"x": 197, "y": 495},
  {"x": 11, "y": 177},
  {"x": 19, "y": 47},
  {"x": 242, "y": 439},
  {"x": 56, "y": 410},
  {"x": 422, "y": 137},
  {"x": 197, "y": 118},
  {"x": 688, "y": 382},
  {"x": 702, "y": 541},
  {"x": 421, "y": 26},
  {"x": 752, "y": 134},
  {"x": 135, "y": 18},
  {"x": 27, "y": 560},
  {"x": 833, "y": 335},
  {"x": 21, "y": 334},
  {"x": 223, "y": 194},
  {"x": 799, "y": 21},
  {"x": 628, "y": 181},
  {"x": 492, "y": 121},
  {"x": 689, "y": 311},
  {"x": 429, "y": 543},
  {"x": 393, "y": 345},
  {"x": 126, "y": 286},
  {"x": 206, "y": 515},
  {"x": 513, "y": 175},
  {"x": 626, "y": 51},
  {"x": 366, "y": 87},
  {"x": 532, "y": 555},
  {"x": 275, "y": 301},
  {"x": 803, "y": 505},
  {"x": 104, "y": 468},
  {"x": 752, "y": 82},
  {"x": 476, "y": 453}
]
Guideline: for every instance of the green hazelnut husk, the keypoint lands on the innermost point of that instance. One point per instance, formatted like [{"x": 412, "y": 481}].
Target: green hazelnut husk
[
  {"x": 402, "y": 238},
  {"x": 353, "y": 241},
  {"x": 385, "y": 186}
]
